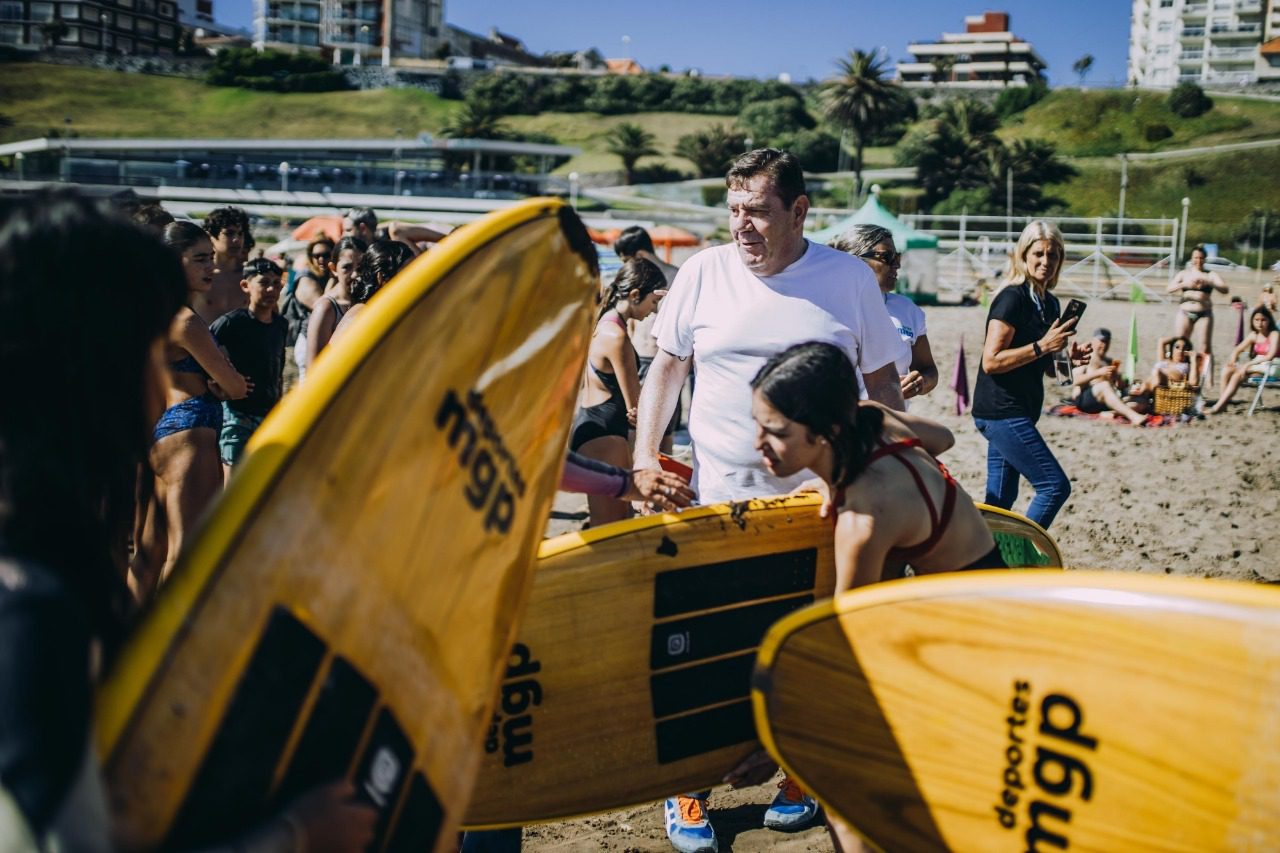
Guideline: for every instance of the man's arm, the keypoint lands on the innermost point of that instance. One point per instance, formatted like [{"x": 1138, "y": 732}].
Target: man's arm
[
  {"x": 413, "y": 234},
  {"x": 882, "y": 386},
  {"x": 658, "y": 398}
]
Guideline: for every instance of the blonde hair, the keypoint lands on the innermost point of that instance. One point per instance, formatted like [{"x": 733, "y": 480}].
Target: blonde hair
[{"x": 1035, "y": 231}]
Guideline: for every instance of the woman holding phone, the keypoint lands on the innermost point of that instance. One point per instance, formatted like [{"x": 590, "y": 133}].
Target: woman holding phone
[{"x": 1024, "y": 331}]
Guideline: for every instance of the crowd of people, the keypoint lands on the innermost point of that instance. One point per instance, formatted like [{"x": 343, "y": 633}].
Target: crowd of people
[{"x": 799, "y": 361}]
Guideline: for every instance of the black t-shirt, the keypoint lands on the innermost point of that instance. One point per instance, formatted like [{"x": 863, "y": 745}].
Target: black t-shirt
[
  {"x": 44, "y": 689},
  {"x": 257, "y": 351},
  {"x": 1018, "y": 393}
]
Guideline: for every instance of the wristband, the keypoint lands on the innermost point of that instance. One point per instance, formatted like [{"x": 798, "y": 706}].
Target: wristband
[{"x": 1035, "y": 345}]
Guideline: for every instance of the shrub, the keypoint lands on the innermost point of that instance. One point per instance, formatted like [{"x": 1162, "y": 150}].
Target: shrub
[
  {"x": 1188, "y": 100},
  {"x": 1015, "y": 100},
  {"x": 766, "y": 121},
  {"x": 273, "y": 71},
  {"x": 817, "y": 150},
  {"x": 1156, "y": 131}
]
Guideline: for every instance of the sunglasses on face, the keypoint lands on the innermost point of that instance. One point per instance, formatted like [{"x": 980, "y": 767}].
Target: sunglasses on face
[
  {"x": 886, "y": 258},
  {"x": 320, "y": 256}
]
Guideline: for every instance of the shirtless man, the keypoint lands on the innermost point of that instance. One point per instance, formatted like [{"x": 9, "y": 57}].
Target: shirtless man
[
  {"x": 228, "y": 228},
  {"x": 362, "y": 222},
  {"x": 1197, "y": 288}
]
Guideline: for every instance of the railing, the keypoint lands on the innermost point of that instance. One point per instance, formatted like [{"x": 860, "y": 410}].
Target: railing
[
  {"x": 1238, "y": 30},
  {"x": 1107, "y": 257},
  {"x": 1191, "y": 32}
]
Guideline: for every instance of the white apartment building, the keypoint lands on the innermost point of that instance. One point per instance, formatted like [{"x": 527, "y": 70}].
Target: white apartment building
[
  {"x": 985, "y": 56},
  {"x": 352, "y": 31},
  {"x": 1209, "y": 42}
]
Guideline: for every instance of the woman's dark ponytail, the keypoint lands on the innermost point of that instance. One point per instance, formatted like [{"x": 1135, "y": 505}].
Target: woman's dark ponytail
[{"x": 637, "y": 275}]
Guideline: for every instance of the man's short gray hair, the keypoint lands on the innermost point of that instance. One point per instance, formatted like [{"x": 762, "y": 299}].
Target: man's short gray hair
[
  {"x": 860, "y": 239},
  {"x": 365, "y": 215}
]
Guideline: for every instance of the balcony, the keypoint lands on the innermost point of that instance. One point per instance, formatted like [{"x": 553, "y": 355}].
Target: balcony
[
  {"x": 1199, "y": 10},
  {"x": 1189, "y": 56},
  {"x": 1191, "y": 33},
  {"x": 1225, "y": 31},
  {"x": 1248, "y": 7}
]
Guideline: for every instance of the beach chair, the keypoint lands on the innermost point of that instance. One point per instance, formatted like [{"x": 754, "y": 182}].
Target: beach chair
[{"x": 1269, "y": 378}]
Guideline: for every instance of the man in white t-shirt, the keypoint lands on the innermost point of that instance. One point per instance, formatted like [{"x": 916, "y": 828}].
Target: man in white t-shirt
[
  {"x": 729, "y": 309},
  {"x": 732, "y": 307}
]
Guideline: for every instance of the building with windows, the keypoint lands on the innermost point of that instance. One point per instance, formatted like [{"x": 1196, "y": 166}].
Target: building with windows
[
  {"x": 354, "y": 32},
  {"x": 1209, "y": 42},
  {"x": 987, "y": 55},
  {"x": 134, "y": 27}
]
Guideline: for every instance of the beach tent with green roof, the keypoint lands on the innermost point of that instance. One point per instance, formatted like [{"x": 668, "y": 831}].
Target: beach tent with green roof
[{"x": 919, "y": 271}]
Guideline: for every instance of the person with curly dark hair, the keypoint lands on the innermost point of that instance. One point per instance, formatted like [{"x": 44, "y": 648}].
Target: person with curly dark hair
[
  {"x": 377, "y": 266},
  {"x": 228, "y": 228}
]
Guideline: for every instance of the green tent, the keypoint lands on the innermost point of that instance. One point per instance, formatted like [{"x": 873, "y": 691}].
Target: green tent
[{"x": 874, "y": 213}]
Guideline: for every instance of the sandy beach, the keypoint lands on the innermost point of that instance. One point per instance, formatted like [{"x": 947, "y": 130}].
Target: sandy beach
[{"x": 1198, "y": 498}]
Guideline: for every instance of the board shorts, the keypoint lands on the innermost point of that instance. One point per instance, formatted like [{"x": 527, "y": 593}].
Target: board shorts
[{"x": 237, "y": 429}]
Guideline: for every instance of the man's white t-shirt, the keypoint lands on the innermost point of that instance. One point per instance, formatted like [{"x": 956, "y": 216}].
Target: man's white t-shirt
[
  {"x": 908, "y": 317},
  {"x": 731, "y": 322}
]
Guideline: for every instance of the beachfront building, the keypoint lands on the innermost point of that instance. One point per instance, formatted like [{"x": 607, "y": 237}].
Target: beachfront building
[
  {"x": 1208, "y": 42},
  {"x": 352, "y": 32},
  {"x": 135, "y": 27},
  {"x": 987, "y": 55}
]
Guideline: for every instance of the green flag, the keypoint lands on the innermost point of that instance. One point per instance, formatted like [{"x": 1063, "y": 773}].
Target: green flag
[{"x": 1131, "y": 366}]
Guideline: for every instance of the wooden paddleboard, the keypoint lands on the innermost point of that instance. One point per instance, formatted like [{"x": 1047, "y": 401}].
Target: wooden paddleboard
[
  {"x": 629, "y": 680},
  {"x": 347, "y": 608},
  {"x": 995, "y": 711}
]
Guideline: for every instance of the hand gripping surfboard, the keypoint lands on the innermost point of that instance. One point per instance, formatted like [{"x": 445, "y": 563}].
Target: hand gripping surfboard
[
  {"x": 347, "y": 608},
  {"x": 997, "y": 711},
  {"x": 630, "y": 677}
]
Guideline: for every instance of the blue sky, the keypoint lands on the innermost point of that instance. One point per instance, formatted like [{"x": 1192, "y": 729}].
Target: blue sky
[{"x": 803, "y": 38}]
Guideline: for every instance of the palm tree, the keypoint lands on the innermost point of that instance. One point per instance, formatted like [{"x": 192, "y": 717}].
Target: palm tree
[
  {"x": 474, "y": 121},
  {"x": 860, "y": 98},
  {"x": 942, "y": 68},
  {"x": 630, "y": 142},
  {"x": 712, "y": 150},
  {"x": 1082, "y": 65},
  {"x": 955, "y": 150}
]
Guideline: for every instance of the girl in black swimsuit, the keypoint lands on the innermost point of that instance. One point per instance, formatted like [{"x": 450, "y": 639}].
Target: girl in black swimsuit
[{"x": 611, "y": 387}]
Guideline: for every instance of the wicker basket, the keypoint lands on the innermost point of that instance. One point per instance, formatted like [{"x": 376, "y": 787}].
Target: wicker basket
[{"x": 1174, "y": 399}]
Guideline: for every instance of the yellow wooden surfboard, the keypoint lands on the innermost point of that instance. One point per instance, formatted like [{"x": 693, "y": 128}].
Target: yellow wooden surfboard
[
  {"x": 630, "y": 677},
  {"x": 347, "y": 607},
  {"x": 993, "y": 711}
]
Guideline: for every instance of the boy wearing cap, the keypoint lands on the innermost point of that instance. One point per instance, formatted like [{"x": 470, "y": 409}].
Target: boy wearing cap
[{"x": 254, "y": 338}]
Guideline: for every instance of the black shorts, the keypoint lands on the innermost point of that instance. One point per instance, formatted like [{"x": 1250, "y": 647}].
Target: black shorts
[{"x": 1088, "y": 403}]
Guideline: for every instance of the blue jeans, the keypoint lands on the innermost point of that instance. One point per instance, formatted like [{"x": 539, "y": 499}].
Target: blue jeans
[{"x": 1015, "y": 446}]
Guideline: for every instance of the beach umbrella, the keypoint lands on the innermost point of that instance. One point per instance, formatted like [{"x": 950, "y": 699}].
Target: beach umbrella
[
  {"x": 1131, "y": 366},
  {"x": 330, "y": 226},
  {"x": 667, "y": 236},
  {"x": 1239, "y": 306},
  {"x": 960, "y": 382}
]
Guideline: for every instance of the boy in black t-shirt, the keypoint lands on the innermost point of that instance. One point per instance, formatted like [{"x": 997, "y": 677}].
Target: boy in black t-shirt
[{"x": 254, "y": 339}]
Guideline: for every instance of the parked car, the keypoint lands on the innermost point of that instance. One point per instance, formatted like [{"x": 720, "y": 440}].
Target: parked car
[{"x": 1216, "y": 264}]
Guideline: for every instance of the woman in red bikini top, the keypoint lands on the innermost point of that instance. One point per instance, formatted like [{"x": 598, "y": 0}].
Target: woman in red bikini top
[{"x": 895, "y": 502}]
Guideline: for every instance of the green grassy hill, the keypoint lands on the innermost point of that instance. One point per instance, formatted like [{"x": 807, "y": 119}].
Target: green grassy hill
[
  {"x": 1107, "y": 122},
  {"x": 35, "y": 98}
]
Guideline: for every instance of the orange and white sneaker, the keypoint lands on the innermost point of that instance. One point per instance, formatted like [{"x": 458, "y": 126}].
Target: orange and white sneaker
[
  {"x": 792, "y": 808},
  {"x": 688, "y": 828}
]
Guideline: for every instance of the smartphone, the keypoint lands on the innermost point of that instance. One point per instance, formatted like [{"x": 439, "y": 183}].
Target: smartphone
[{"x": 1073, "y": 311}]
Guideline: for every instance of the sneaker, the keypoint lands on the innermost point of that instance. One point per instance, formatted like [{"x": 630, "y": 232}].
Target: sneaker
[
  {"x": 792, "y": 808},
  {"x": 688, "y": 828}
]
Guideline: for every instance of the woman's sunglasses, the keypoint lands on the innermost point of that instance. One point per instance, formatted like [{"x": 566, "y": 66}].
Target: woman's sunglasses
[{"x": 886, "y": 258}]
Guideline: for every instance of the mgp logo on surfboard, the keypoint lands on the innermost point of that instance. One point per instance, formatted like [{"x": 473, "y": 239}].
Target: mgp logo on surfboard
[
  {"x": 495, "y": 480},
  {"x": 1046, "y": 745}
]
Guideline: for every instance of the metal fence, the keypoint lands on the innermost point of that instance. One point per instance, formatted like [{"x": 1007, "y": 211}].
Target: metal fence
[{"x": 1106, "y": 257}]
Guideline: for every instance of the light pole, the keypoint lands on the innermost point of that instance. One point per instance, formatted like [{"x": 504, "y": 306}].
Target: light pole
[
  {"x": 103, "y": 18},
  {"x": 284, "y": 177},
  {"x": 1008, "y": 206},
  {"x": 1182, "y": 239},
  {"x": 1124, "y": 185},
  {"x": 573, "y": 190},
  {"x": 18, "y": 158}
]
